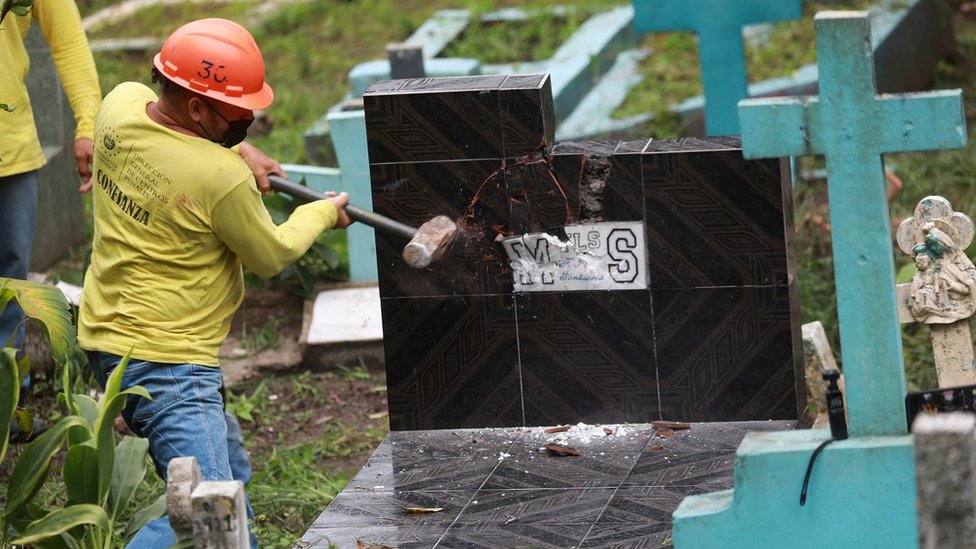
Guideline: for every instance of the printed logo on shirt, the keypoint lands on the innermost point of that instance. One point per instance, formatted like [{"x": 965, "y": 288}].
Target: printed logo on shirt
[{"x": 111, "y": 143}]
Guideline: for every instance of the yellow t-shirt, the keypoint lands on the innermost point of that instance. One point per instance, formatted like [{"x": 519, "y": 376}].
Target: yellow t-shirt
[
  {"x": 175, "y": 216},
  {"x": 59, "y": 21}
]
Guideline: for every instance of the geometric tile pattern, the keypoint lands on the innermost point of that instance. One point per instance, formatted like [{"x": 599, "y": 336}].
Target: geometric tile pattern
[
  {"x": 714, "y": 336},
  {"x": 495, "y": 488}
]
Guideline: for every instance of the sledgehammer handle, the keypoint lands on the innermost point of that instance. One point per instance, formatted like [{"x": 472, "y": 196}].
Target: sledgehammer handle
[{"x": 374, "y": 220}]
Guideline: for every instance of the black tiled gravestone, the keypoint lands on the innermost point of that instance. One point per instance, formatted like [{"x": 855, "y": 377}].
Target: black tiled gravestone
[{"x": 691, "y": 316}]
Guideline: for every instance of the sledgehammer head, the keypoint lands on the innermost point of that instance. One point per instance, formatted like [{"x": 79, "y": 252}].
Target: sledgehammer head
[{"x": 430, "y": 242}]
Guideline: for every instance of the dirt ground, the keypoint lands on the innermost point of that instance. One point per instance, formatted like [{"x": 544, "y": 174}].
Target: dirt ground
[{"x": 296, "y": 399}]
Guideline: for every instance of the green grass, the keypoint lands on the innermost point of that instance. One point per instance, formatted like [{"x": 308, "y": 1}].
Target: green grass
[
  {"x": 538, "y": 36},
  {"x": 146, "y": 21},
  {"x": 672, "y": 73},
  {"x": 290, "y": 486}
]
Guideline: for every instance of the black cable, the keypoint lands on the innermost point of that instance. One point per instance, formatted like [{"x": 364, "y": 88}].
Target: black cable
[{"x": 806, "y": 478}]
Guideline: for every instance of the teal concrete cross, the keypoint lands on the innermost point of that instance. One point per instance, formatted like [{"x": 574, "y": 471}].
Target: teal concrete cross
[
  {"x": 852, "y": 127},
  {"x": 719, "y": 26}
]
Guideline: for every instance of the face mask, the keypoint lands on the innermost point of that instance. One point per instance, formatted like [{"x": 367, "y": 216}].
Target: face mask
[{"x": 236, "y": 130}]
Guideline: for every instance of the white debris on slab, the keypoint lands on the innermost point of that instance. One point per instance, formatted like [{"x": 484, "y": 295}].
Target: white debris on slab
[{"x": 581, "y": 433}]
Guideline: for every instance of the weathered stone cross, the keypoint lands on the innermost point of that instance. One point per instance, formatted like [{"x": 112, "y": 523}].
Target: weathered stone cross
[
  {"x": 853, "y": 127},
  {"x": 719, "y": 26}
]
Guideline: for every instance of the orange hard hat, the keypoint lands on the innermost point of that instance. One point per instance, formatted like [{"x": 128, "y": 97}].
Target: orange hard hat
[{"x": 217, "y": 58}]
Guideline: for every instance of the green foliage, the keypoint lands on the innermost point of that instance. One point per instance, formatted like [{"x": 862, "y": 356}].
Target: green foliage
[
  {"x": 261, "y": 337},
  {"x": 17, "y": 7},
  {"x": 98, "y": 480},
  {"x": 668, "y": 80},
  {"x": 357, "y": 373},
  {"x": 9, "y": 394},
  {"x": 245, "y": 406},
  {"x": 291, "y": 488},
  {"x": 535, "y": 37},
  {"x": 146, "y": 21}
]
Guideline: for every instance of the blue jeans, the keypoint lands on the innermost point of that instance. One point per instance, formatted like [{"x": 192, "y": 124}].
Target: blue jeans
[
  {"x": 18, "y": 203},
  {"x": 185, "y": 418}
]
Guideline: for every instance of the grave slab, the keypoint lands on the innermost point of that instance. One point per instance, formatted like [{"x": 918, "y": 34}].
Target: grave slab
[
  {"x": 494, "y": 487},
  {"x": 690, "y": 315},
  {"x": 346, "y": 314}
]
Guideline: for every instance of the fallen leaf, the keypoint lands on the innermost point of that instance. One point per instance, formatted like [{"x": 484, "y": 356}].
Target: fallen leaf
[
  {"x": 324, "y": 419},
  {"x": 360, "y": 544},
  {"x": 560, "y": 429},
  {"x": 423, "y": 509},
  {"x": 608, "y": 431},
  {"x": 563, "y": 450},
  {"x": 673, "y": 425},
  {"x": 664, "y": 433},
  {"x": 378, "y": 415},
  {"x": 656, "y": 448}
]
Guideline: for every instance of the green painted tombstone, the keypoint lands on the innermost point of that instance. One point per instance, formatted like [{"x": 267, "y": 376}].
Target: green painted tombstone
[
  {"x": 861, "y": 490},
  {"x": 719, "y": 26}
]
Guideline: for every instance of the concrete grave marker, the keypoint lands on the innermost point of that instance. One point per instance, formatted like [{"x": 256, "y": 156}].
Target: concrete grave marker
[
  {"x": 219, "y": 515},
  {"x": 945, "y": 461},
  {"x": 718, "y": 24},
  {"x": 942, "y": 293},
  {"x": 853, "y": 127},
  {"x": 862, "y": 489}
]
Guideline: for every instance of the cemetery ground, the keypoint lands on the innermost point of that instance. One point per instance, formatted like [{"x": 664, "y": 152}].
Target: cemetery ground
[{"x": 308, "y": 431}]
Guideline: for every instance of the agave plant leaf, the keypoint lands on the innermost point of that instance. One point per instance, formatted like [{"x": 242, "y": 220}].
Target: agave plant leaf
[
  {"x": 47, "y": 305},
  {"x": 80, "y": 474},
  {"x": 32, "y": 466},
  {"x": 129, "y": 470},
  {"x": 62, "y": 520},
  {"x": 110, "y": 406},
  {"x": 143, "y": 516},
  {"x": 9, "y": 393},
  {"x": 86, "y": 408}
]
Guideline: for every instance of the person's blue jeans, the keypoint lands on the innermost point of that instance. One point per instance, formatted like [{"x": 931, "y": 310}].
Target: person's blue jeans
[
  {"x": 18, "y": 204},
  {"x": 185, "y": 418}
]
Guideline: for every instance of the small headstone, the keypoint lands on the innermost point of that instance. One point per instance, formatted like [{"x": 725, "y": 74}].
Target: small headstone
[
  {"x": 220, "y": 515},
  {"x": 183, "y": 476},
  {"x": 406, "y": 61},
  {"x": 945, "y": 464},
  {"x": 817, "y": 358},
  {"x": 942, "y": 293}
]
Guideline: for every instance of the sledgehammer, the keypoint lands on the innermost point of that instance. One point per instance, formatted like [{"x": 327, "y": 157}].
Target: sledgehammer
[{"x": 426, "y": 244}]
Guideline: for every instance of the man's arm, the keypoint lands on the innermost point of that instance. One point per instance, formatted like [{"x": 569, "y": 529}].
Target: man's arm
[{"x": 60, "y": 23}]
